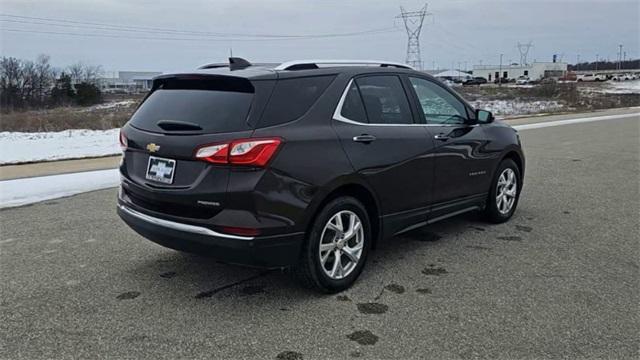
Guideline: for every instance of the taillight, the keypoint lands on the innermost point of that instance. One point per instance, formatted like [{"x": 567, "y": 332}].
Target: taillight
[
  {"x": 252, "y": 152},
  {"x": 123, "y": 141},
  {"x": 216, "y": 154},
  {"x": 256, "y": 152}
]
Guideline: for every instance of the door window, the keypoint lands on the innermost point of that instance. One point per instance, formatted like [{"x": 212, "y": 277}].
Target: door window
[
  {"x": 384, "y": 100},
  {"x": 438, "y": 105}
]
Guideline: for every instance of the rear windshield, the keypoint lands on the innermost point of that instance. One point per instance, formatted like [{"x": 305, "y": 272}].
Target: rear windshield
[{"x": 194, "y": 108}]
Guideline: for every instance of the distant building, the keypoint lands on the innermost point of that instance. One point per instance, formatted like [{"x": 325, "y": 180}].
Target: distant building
[
  {"x": 453, "y": 75},
  {"x": 535, "y": 71},
  {"x": 129, "y": 82}
]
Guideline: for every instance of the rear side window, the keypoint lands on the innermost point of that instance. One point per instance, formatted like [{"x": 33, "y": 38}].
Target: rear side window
[
  {"x": 211, "y": 105},
  {"x": 385, "y": 100},
  {"x": 292, "y": 98},
  {"x": 352, "y": 107}
]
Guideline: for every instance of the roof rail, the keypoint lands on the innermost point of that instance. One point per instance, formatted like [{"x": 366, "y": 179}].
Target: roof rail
[{"x": 313, "y": 64}]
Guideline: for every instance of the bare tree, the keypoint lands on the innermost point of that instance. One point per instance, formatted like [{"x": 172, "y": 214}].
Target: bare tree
[
  {"x": 76, "y": 71},
  {"x": 80, "y": 73},
  {"x": 44, "y": 78},
  {"x": 10, "y": 82},
  {"x": 26, "y": 83}
]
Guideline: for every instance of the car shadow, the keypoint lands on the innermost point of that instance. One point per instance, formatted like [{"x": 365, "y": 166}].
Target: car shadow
[{"x": 199, "y": 278}]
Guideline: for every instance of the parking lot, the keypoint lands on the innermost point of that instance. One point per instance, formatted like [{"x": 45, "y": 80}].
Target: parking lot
[{"x": 560, "y": 280}]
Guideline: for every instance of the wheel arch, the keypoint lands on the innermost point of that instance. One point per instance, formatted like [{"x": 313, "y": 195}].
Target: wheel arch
[
  {"x": 355, "y": 189},
  {"x": 517, "y": 158}
]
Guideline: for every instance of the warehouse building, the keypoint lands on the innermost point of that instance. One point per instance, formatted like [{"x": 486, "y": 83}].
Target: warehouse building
[
  {"x": 535, "y": 71},
  {"x": 129, "y": 82}
]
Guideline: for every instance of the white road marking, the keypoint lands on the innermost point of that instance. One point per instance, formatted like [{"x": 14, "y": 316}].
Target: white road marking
[{"x": 573, "y": 121}]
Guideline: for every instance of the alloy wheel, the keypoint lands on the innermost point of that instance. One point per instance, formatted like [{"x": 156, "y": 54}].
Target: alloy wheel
[
  {"x": 506, "y": 191},
  {"x": 341, "y": 244}
]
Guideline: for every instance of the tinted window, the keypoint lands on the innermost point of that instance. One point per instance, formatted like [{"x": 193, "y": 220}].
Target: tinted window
[
  {"x": 384, "y": 100},
  {"x": 212, "y": 110},
  {"x": 292, "y": 98},
  {"x": 439, "y": 105},
  {"x": 352, "y": 107}
]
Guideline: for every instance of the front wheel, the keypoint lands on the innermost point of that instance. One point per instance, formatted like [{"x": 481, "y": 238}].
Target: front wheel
[
  {"x": 504, "y": 193},
  {"x": 336, "y": 247}
]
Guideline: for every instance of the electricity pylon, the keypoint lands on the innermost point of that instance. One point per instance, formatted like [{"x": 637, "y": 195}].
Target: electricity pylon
[
  {"x": 413, "y": 21},
  {"x": 524, "y": 51}
]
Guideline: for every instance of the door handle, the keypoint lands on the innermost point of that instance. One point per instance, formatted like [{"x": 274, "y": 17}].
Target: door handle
[
  {"x": 364, "y": 138},
  {"x": 441, "y": 137}
]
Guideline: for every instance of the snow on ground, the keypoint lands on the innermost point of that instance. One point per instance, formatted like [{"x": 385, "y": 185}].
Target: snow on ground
[
  {"x": 31, "y": 190},
  {"x": 110, "y": 105},
  {"x": 612, "y": 87},
  {"x": 622, "y": 87},
  {"x": 517, "y": 107},
  {"x": 19, "y": 147}
]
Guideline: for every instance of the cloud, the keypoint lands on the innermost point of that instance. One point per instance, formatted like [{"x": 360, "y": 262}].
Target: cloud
[{"x": 459, "y": 31}]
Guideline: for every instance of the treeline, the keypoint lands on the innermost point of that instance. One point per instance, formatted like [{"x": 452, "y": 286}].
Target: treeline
[
  {"x": 36, "y": 84},
  {"x": 605, "y": 65}
]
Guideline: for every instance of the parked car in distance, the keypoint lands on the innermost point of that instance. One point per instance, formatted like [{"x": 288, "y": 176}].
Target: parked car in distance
[
  {"x": 569, "y": 76},
  {"x": 591, "y": 77},
  {"x": 309, "y": 165},
  {"x": 503, "y": 81},
  {"x": 623, "y": 77},
  {"x": 522, "y": 80},
  {"x": 478, "y": 80}
]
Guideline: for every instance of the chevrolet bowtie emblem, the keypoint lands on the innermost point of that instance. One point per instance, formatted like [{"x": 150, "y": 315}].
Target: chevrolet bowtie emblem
[{"x": 153, "y": 147}]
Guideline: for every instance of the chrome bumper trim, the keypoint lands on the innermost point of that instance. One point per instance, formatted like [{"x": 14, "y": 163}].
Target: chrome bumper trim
[{"x": 180, "y": 226}]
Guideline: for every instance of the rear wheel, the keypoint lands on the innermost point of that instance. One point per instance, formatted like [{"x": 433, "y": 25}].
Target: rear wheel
[
  {"x": 504, "y": 193},
  {"x": 336, "y": 247}
]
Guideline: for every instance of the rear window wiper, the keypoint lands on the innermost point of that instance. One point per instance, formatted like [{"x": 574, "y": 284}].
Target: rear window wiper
[{"x": 175, "y": 125}]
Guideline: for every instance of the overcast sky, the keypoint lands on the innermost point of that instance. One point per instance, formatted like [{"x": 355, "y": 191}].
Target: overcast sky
[{"x": 460, "y": 31}]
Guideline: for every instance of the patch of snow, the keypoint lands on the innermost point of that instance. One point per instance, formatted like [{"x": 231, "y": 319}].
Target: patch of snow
[
  {"x": 517, "y": 107},
  {"x": 111, "y": 105},
  {"x": 621, "y": 87},
  {"x": 20, "y": 147},
  {"x": 32, "y": 190}
]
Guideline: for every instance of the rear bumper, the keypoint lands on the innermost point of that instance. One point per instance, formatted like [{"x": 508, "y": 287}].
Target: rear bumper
[{"x": 262, "y": 251}]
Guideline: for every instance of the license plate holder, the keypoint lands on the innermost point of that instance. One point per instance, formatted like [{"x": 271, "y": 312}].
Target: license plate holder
[{"x": 161, "y": 170}]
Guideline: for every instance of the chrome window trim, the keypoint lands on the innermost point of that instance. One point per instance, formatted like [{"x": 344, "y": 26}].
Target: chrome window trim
[
  {"x": 288, "y": 64},
  {"x": 180, "y": 226},
  {"x": 338, "y": 116}
]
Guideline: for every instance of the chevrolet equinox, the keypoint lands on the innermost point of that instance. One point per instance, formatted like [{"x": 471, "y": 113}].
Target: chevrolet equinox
[{"x": 308, "y": 164}]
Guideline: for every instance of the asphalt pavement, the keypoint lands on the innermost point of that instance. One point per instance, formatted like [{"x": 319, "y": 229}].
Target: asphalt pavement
[{"x": 560, "y": 280}]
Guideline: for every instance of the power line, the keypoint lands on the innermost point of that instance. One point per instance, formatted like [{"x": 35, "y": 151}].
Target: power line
[
  {"x": 123, "y": 36},
  {"x": 166, "y": 31}
]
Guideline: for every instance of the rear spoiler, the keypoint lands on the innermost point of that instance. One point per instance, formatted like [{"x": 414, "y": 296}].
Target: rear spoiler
[{"x": 200, "y": 81}]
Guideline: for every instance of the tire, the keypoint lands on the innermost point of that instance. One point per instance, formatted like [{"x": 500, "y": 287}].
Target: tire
[
  {"x": 310, "y": 271},
  {"x": 497, "y": 211}
]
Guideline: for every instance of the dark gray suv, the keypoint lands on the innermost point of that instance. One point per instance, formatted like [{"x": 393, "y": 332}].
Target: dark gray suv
[{"x": 309, "y": 164}]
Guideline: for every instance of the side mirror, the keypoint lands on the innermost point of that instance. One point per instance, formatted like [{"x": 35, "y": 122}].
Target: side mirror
[{"x": 484, "y": 116}]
